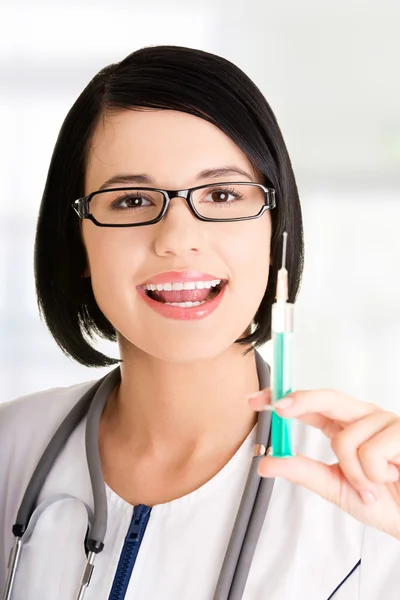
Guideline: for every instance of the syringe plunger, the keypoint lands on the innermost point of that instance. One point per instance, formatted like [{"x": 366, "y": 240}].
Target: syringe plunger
[{"x": 282, "y": 282}]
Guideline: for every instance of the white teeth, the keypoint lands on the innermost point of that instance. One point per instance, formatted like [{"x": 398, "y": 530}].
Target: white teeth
[
  {"x": 187, "y": 285},
  {"x": 185, "y": 304}
]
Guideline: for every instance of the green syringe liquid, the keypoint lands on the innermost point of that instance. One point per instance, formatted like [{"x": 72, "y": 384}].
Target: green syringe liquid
[{"x": 281, "y": 386}]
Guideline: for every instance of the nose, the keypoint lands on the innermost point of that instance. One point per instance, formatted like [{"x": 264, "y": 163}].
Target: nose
[{"x": 179, "y": 232}]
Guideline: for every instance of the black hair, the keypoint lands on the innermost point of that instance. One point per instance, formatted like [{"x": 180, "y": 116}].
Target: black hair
[{"x": 162, "y": 77}]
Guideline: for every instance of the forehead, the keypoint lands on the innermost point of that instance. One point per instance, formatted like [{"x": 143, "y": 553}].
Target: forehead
[{"x": 170, "y": 146}]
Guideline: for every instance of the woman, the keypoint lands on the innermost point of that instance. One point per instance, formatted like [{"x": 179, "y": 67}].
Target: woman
[{"x": 184, "y": 284}]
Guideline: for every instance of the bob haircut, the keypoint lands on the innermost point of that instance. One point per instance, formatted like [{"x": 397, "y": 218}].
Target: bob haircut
[{"x": 160, "y": 77}]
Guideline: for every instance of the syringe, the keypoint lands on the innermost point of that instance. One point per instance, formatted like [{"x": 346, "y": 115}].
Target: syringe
[{"x": 281, "y": 376}]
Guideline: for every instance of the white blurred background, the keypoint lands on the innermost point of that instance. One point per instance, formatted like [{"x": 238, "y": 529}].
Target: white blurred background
[{"x": 330, "y": 71}]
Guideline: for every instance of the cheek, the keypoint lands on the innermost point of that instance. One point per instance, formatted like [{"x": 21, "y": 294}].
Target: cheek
[
  {"x": 249, "y": 254},
  {"x": 112, "y": 256}
]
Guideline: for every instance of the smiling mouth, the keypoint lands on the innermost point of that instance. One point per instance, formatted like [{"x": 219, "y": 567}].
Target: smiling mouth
[{"x": 186, "y": 298}]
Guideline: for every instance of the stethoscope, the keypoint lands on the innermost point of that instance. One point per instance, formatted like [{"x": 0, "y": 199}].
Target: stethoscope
[{"x": 249, "y": 520}]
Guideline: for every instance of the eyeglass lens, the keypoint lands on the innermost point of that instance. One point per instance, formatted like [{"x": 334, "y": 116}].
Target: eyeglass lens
[{"x": 128, "y": 206}]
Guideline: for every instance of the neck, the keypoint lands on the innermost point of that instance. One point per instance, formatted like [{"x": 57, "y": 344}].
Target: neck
[{"x": 186, "y": 411}]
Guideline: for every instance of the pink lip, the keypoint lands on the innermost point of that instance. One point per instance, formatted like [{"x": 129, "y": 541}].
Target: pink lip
[
  {"x": 179, "y": 313},
  {"x": 180, "y": 277}
]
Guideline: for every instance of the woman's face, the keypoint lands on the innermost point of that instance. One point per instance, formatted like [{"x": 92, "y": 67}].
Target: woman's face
[{"x": 171, "y": 148}]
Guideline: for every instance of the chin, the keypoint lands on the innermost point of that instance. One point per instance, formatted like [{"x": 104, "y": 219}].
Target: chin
[
  {"x": 181, "y": 348},
  {"x": 185, "y": 351}
]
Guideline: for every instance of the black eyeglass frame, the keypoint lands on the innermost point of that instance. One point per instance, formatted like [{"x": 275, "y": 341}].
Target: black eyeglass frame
[{"x": 81, "y": 205}]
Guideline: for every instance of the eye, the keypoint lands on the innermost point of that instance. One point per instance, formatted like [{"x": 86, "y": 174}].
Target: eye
[
  {"x": 225, "y": 195},
  {"x": 131, "y": 201}
]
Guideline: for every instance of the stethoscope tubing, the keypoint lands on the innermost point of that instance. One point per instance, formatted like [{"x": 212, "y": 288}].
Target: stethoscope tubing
[
  {"x": 249, "y": 520},
  {"x": 252, "y": 510}
]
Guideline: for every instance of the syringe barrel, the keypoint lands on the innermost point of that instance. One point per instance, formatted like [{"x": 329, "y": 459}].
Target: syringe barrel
[
  {"x": 282, "y": 317},
  {"x": 281, "y": 374}
]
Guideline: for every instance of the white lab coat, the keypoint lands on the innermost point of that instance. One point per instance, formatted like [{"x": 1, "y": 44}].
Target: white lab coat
[{"x": 306, "y": 548}]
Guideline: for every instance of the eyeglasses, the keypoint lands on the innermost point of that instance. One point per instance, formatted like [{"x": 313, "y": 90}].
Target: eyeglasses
[{"x": 132, "y": 206}]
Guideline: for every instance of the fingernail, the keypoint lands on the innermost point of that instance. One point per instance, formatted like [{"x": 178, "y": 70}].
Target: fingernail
[
  {"x": 268, "y": 407},
  {"x": 259, "y": 400},
  {"x": 284, "y": 403},
  {"x": 367, "y": 497},
  {"x": 258, "y": 394}
]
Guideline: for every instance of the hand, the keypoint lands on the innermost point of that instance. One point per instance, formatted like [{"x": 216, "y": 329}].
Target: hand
[{"x": 366, "y": 440}]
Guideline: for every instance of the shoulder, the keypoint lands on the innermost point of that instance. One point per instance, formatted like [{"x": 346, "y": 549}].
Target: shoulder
[
  {"x": 27, "y": 423},
  {"x": 26, "y": 426},
  {"x": 34, "y": 414}
]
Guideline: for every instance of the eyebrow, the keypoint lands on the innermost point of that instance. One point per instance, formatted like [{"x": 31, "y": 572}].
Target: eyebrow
[{"x": 144, "y": 178}]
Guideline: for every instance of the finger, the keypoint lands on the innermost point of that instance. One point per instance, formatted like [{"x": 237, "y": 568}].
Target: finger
[
  {"x": 328, "y": 481},
  {"x": 380, "y": 455},
  {"x": 328, "y": 427},
  {"x": 329, "y": 403},
  {"x": 259, "y": 400},
  {"x": 346, "y": 445},
  {"x": 320, "y": 478}
]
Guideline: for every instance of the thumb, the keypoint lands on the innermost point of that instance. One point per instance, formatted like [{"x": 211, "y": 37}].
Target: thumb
[{"x": 324, "y": 480}]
